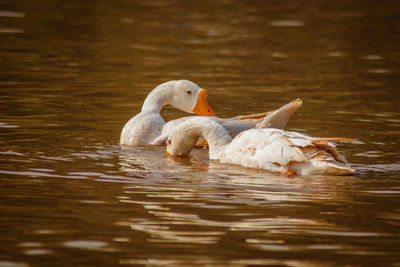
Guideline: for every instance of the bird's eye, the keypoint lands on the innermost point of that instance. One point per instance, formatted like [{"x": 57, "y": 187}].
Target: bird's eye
[
  {"x": 169, "y": 142},
  {"x": 189, "y": 92}
]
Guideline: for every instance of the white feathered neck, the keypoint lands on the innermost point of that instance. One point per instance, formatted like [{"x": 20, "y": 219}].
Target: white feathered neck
[
  {"x": 215, "y": 134},
  {"x": 159, "y": 97}
]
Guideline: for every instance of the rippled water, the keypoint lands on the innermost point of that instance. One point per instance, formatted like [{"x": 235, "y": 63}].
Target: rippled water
[{"x": 73, "y": 72}]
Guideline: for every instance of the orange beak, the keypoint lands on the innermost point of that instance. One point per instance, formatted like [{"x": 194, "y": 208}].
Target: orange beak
[
  {"x": 166, "y": 151},
  {"x": 202, "y": 107}
]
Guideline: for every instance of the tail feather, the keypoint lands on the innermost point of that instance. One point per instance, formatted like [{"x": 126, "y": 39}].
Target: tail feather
[
  {"x": 329, "y": 139},
  {"x": 323, "y": 144},
  {"x": 280, "y": 117},
  {"x": 252, "y": 117}
]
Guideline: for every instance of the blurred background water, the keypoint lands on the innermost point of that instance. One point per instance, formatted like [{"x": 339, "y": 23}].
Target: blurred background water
[{"x": 73, "y": 72}]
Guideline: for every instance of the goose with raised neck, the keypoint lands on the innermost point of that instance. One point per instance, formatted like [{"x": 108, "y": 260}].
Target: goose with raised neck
[{"x": 146, "y": 126}]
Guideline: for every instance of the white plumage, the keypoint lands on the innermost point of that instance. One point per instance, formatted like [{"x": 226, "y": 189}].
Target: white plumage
[
  {"x": 270, "y": 149},
  {"x": 272, "y": 119},
  {"x": 148, "y": 126},
  {"x": 145, "y": 127}
]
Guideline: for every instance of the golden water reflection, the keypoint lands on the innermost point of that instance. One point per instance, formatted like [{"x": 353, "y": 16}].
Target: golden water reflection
[{"x": 73, "y": 72}]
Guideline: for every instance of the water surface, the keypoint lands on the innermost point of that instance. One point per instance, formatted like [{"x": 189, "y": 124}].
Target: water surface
[{"x": 72, "y": 73}]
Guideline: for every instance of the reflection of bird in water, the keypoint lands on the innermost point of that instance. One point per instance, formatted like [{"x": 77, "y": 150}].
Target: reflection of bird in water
[
  {"x": 151, "y": 162},
  {"x": 141, "y": 161},
  {"x": 195, "y": 165},
  {"x": 218, "y": 183}
]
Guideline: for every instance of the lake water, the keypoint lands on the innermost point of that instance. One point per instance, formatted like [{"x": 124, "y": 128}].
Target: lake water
[{"x": 73, "y": 72}]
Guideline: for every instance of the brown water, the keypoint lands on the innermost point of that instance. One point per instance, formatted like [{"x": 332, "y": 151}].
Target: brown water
[{"x": 73, "y": 72}]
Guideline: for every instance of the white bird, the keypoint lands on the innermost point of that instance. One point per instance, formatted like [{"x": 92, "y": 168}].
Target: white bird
[
  {"x": 148, "y": 127},
  {"x": 145, "y": 127},
  {"x": 272, "y": 119},
  {"x": 271, "y": 149}
]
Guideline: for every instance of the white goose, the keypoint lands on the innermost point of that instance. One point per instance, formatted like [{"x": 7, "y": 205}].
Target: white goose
[
  {"x": 272, "y": 119},
  {"x": 148, "y": 127},
  {"x": 145, "y": 127},
  {"x": 270, "y": 149}
]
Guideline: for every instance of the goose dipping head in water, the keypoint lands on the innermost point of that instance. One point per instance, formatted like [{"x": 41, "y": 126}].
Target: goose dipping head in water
[
  {"x": 271, "y": 149},
  {"x": 149, "y": 128}
]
